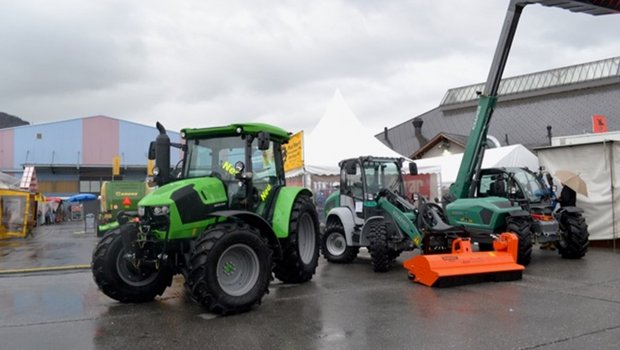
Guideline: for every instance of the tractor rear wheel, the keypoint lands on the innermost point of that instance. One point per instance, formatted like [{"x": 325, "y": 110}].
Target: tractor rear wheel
[
  {"x": 574, "y": 232},
  {"x": 522, "y": 229},
  {"x": 230, "y": 269},
  {"x": 334, "y": 245},
  {"x": 121, "y": 279},
  {"x": 300, "y": 250},
  {"x": 378, "y": 247}
]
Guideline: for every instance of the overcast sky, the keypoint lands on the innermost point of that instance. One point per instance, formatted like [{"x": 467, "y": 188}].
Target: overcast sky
[{"x": 195, "y": 63}]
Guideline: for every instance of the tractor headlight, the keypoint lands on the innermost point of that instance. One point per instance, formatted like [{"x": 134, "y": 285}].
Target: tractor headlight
[
  {"x": 156, "y": 171},
  {"x": 161, "y": 210},
  {"x": 141, "y": 211}
]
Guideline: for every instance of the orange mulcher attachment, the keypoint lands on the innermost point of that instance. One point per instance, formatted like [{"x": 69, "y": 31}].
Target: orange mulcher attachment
[{"x": 463, "y": 266}]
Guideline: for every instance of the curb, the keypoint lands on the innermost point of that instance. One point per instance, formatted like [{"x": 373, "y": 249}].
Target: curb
[{"x": 44, "y": 269}]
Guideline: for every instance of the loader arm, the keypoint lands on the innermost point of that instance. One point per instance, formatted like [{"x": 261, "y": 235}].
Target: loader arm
[
  {"x": 402, "y": 212},
  {"x": 469, "y": 171}
]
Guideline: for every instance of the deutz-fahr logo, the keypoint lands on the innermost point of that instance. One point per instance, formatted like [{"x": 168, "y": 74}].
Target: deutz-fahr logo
[{"x": 125, "y": 194}]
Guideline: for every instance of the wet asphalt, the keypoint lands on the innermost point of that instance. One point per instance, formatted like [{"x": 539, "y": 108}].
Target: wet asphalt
[{"x": 559, "y": 304}]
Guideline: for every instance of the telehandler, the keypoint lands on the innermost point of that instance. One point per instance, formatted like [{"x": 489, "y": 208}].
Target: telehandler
[{"x": 488, "y": 216}]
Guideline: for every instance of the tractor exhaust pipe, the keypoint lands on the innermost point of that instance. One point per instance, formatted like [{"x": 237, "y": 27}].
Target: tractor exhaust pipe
[{"x": 162, "y": 155}]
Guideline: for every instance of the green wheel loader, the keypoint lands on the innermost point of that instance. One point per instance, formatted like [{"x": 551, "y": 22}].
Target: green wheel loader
[
  {"x": 223, "y": 218},
  {"x": 370, "y": 210}
]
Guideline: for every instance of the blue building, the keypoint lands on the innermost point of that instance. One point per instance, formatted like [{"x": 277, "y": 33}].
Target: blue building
[{"x": 75, "y": 156}]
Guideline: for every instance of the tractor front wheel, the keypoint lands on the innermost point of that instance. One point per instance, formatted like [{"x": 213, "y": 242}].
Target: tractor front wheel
[
  {"x": 378, "y": 247},
  {"x": 574, "y": 233},
  {"x": 334, "y": 245},
  {"x": 125, "y": 280},
  {"x": 522, "y": 229},
  {"x": 230, "y": 269},
  {"x": 300, "y": 250}
]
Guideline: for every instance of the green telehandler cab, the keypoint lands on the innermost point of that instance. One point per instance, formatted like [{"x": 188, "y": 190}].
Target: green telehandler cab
[
  {"x": 564, "y": 228},
  {"x": 223, "y": 218},
  {"x": 486, "y": 216}
]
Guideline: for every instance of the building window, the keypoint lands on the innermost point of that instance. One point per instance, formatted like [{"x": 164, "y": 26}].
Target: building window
[{"x": 90, "y": 186}]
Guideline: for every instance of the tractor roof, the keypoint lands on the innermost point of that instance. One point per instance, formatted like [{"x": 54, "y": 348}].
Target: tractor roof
[
  {"x": 365, "y": 159},
  {"x": 276, "y": 133}
]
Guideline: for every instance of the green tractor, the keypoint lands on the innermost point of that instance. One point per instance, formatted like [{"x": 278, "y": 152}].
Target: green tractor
[{"x": 223, "y": 218}]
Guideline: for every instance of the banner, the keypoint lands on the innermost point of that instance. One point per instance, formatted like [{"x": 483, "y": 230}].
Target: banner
[
  {"x": 292, "y": 152},
  {"x": 599, "y": 123},
  {"x": 116, "y": 165},
  {"x": 418, "y": 184},
  {"x": 150, "y": 164}
]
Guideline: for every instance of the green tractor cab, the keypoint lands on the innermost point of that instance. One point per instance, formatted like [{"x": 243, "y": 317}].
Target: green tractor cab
[
  {"x": 223, "y": 218},
  {"x": 564, "y": 229}
]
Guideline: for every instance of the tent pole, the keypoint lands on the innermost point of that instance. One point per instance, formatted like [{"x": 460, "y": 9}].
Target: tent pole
[{"x": 613, "y": 202}]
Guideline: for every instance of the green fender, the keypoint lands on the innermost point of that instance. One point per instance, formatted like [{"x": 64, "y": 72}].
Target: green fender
[
  {"x": 283, "y": 208},
  {"x": 109, "y": 226}
]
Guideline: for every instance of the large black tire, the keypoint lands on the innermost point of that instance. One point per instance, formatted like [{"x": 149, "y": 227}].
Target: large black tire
[
  {"x": 120, "y": 279},
  {"x": 575, "y": 236},
  {"x": 301, "y": 248},
  {"x": 522, "y": 229},
  {"x": 230, "y": 268},
  {"x": 393, "y": 254},
  {"x": 334, "y": 245},
  {"x": 378, "y": 247}
]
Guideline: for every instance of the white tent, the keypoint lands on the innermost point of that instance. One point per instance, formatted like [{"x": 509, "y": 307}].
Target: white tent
[
  {"x": 339, "y": 135},
  {"x": 598, "y": 164},
  {"x": 448, "y": 166}
]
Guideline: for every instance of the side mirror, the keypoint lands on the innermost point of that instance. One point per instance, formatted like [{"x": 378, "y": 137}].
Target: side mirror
[
  {"x": 152, "y": 152},
  {"x": 413, "y": 168},
  {"x": 549, "y": 179},
  {"x": 263, "y": 141}
]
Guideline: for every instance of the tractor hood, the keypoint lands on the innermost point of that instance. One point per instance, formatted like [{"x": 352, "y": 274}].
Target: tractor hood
[{"x": 211, "y": 190}]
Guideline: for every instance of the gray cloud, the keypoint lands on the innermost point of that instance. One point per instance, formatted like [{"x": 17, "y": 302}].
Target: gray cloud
[{"x": 195, "y": 63}]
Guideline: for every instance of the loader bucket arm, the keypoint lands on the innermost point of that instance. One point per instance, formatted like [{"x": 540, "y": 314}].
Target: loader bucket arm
[
  {"x": 396, "y": 207},
  {"x": 469, "y": 170}
]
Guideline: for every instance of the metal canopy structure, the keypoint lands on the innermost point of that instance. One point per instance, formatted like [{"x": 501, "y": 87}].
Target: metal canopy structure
[{"x": 592, "y": 7}]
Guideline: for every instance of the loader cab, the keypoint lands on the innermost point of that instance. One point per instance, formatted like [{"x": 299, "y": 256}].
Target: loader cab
[
  {"x": 362, "y": 178},
  {"x": 520, "y": 185},
  {"x": 250, "y": 166}
]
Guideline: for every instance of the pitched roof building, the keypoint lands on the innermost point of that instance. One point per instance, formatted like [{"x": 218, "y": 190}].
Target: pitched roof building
[{"x": 531, "y": 108}]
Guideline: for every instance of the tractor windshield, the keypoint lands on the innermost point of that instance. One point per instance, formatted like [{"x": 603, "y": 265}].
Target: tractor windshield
[
  {"x": 216, "y": 156},
  {"x": 382, "y": 175},
  {"x": 533, "y": 190}
]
